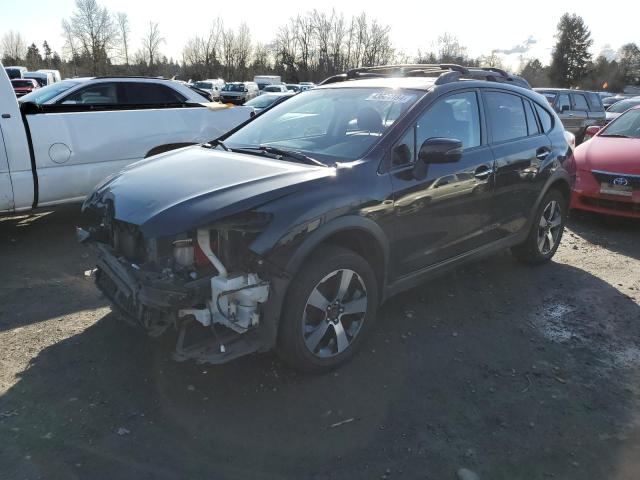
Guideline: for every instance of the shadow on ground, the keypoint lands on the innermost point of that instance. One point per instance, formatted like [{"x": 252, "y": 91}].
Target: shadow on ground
[
  {"x": 464, "y": 371},
  {"x": 616, "y": 234},
  {"x": 40, "y": 260}
]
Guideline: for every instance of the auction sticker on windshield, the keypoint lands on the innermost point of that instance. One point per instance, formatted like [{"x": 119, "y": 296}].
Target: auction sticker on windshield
[{"x": 389, "y": 97}]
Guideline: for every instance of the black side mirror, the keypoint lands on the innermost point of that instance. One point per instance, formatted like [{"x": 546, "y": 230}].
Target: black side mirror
[
  {"x": 440, "y": 150},
  {"x": 564, "y": 108},
  {"x": 401, "y": 154}
]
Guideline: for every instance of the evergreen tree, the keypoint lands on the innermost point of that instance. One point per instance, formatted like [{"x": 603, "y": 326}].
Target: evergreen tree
[
  {"x": 629, "y": 55},
  {"x": 33, "y": 59},
  {"x": 571, "y": 59},
  {"x": 47, "y": 53}
]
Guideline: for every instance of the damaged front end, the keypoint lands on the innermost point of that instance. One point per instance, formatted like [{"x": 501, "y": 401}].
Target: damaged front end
[{"x": 206, "y": 284}]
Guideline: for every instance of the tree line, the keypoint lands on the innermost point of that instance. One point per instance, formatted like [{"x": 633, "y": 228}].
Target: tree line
[{"x": 308, "y": 47}]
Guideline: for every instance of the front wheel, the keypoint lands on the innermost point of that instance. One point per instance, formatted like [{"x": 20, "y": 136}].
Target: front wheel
[
  {"x": 330, "y": 305},
  {"x": 546, "y": 231}
]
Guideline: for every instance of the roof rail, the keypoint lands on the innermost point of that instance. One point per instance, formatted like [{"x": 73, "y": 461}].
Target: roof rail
[{"x": 445, "y": 73}]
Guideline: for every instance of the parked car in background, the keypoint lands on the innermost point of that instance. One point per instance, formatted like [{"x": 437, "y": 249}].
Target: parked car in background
[
  {"x": 15, "y": 71},
  {"x": 606, "y": 169},
  {"x": 238, "y": 92},
  {"x": 293, "y": 87},
  {"x": 618, "y": 108},
  {"x": 22, "y": 86},
  {"x": 264, "y": 80},
  {"x": 55, "y": 73},
  {"x": 56, "y": 146},
  {"x": 290, "y": 231},
  {"x": 281, "y": 88},
  {"x": 266, "y": 100},
  {"x": 306, "y": 86},
  {"x": 577, "y": 109},
  {"x": 212, "y": 86},
  {"x": 43, "y": 78},
  {"x": 607, "y": 102},
  {"x": 115, "y": 91}
]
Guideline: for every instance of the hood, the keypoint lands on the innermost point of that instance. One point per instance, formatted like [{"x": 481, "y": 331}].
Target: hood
[
  {"x": 187, "y": 188},
  {"x": 617, "y": 155}
]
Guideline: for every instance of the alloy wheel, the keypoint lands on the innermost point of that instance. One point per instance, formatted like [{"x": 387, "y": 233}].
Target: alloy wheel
[
  {"x": 549, "y": 227},
  {"x": 334, "y": 313}
]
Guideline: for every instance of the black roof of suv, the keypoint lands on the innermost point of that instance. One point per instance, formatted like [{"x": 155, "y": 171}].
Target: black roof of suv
[{"x": 289, "y": 231}]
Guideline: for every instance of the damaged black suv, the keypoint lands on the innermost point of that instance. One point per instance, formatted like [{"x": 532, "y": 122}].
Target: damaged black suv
[{"x": 289, "y": 231}]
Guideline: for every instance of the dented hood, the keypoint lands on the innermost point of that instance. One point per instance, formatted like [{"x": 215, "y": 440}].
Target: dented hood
[{"x": 191, "y": 187}]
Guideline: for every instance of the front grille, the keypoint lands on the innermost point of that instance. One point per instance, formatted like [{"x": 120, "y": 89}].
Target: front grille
[
  {"x": 609, "y": 177},
  {"x": 612, "y": 204}
]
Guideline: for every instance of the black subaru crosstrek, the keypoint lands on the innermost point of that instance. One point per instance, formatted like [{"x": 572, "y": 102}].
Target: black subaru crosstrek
[{"x": 290, "y": 231}]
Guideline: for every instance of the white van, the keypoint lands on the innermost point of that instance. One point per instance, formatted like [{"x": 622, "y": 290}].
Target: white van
[
  {"x": 55, "y": 73},
  {"x": 264, "y": 80},
  {"x": 43, "y": 78}
]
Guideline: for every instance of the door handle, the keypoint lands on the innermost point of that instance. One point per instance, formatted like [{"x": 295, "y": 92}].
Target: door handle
[
  {"x": 483, "y": 172},
  {"x": 542, "y": 153},
  {"x": 6, "y": 115}
]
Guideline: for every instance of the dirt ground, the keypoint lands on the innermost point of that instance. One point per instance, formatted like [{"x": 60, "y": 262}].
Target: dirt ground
[{"x": 510, "y": 371}]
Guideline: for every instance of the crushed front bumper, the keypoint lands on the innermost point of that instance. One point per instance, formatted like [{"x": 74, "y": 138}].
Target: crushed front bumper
[{"x": 139, "y": 302}]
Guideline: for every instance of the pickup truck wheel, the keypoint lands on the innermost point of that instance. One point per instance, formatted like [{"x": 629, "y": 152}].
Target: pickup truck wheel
[
  {"x": 546, "y": 231},
  {"x": 330, "y": 306}
]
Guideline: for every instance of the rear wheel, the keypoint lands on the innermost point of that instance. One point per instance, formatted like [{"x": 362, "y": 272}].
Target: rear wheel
[
  {"x": 330, "y": 305},
  {"x": 546, "y": 231}
]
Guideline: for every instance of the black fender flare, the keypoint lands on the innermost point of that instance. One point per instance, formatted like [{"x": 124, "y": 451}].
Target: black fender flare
[
  {"x": 560, "y": 175},
  {"x": 347, "y": 222},
  {"x": 292, "y": 264}
]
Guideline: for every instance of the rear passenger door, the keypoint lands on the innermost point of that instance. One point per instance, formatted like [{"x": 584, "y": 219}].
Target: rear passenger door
[{"x": 519, "y": 146}]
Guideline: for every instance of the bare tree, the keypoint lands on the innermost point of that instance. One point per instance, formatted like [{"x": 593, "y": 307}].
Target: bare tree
[
  {"x": 93, "y": 29},
  {"x": 228, "y": 51},
  {"x": 242, "y": 49},
  {"x": 122, "y": 24},
  {"x": 150, "y": 51},
  {"x": 70, "y": 45},
  {"x": 13, "y": 46},
  {"x": 202, "y": 54}
]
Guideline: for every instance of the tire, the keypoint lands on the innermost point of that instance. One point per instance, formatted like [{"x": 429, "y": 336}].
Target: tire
[
  {"x": 538, "y": 248},
  {"x": 315, "y": 332}
]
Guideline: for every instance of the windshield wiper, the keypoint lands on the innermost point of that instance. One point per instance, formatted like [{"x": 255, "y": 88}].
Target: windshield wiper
[
  {"x": 280, "y": 152},
  {"x": 218, "y": 143},
  {"x": 615, "y": 135}
]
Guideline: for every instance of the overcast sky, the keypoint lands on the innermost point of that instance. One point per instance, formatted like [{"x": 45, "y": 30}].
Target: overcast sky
[{"x": 527, "y": 27}]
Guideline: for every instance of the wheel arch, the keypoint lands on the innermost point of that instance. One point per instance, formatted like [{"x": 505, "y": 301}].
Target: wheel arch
[{"x": 358, "y": 234}]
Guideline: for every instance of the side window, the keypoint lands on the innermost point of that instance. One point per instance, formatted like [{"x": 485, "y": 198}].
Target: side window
[
  {"x": 507, "y": 119},
  {"x": 146, "y": 93},
  {"x": 99, "y": 94},
  {"x": 404, "y": 152},
  {"x": 580, "y": 103},
  {"x": 532, "y": 124},
  {"x": 563, "y": 100},
  {"x": 455, "y": 116},
  {"x": 545, "y": 118}
]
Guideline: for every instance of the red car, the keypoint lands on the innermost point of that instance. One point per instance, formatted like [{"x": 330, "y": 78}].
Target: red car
[
  {"x": 607, "y": 168},
  {"x": 22, "y": 86}
]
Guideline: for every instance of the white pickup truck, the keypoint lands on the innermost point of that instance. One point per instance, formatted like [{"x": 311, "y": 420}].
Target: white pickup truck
[{"x": 57, "y": 151}]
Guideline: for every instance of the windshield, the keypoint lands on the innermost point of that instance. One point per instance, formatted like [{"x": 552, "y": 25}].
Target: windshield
[
  {"x": 331, "y": 123},
  {"x": 22, "y": 83},
  {"x": 234, "y": 87},
  {"x": 626, "y": 125},
  {"x": 203, "y": 85},
  {"x": 624, "y": 105},
  {"x": 273, "y": 88},
  {"x": 43, "y": 95},
  {"x": 263, "y": 101}
]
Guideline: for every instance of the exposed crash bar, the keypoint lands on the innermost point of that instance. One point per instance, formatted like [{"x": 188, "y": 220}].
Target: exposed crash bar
[{"x": 205, "y": 245}]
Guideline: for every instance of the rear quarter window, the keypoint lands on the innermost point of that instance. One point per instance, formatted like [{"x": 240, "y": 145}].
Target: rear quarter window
[{"x": 546, "y": 120}]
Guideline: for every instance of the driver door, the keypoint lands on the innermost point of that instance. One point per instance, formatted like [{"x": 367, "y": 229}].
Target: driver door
[{"x": 447, "y": 211}]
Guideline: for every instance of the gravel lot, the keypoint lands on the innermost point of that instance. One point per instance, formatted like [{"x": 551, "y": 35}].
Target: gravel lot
[{"x": 510, "y": 371}]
